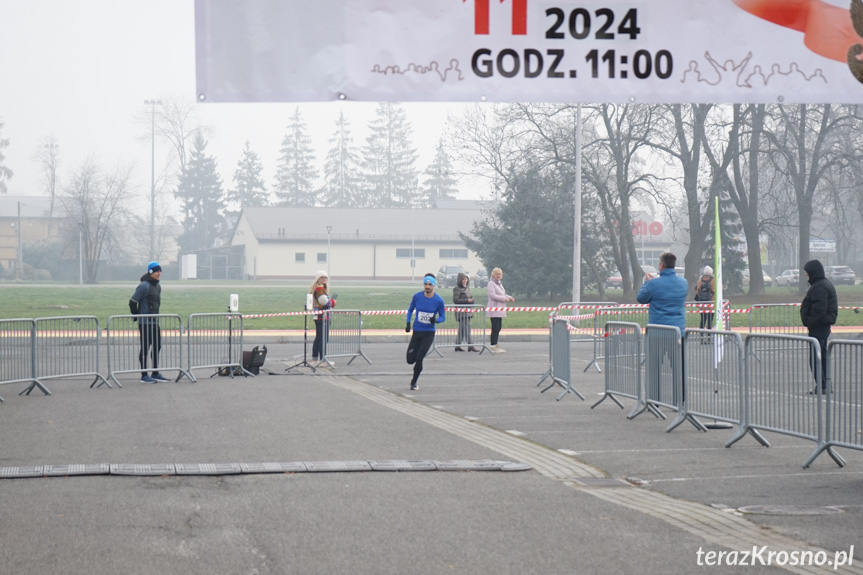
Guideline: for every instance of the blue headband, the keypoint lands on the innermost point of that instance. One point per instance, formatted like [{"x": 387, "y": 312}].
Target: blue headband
[{"x": 430, "y": 280}]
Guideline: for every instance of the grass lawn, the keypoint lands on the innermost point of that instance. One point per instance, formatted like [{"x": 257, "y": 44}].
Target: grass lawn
[{"x": 186, "y": 297}]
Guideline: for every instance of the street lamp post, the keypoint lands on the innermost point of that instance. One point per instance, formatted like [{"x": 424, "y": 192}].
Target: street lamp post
[
  {"x": 329, "y": 230},
  {"x": 20, "y": 257},
  {"x": 576, "y": 232},
  {"x": 152, "y": 104}
]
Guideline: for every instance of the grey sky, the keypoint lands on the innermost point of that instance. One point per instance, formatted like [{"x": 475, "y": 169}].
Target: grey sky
[{"x": 82, "y": 70}]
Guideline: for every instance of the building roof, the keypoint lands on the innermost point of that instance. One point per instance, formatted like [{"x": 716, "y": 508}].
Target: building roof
[
  {"x": 31, "y": 206},
  {"x": 365, "y": 224}
]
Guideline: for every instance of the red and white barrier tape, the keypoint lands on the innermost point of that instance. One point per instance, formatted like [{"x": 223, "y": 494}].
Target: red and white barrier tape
[{"x": 637, "y": 308}]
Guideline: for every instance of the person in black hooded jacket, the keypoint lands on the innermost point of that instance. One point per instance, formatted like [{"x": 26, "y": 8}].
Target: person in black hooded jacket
[
  {"x": 146, "y": 301},
  {"x": 818, "y": 310}
]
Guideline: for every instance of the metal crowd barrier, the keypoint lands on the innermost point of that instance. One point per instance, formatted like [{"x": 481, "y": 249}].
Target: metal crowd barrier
[
  {"x": 464, "y": 327},
  {"x": 68, "y": 346},
  {"x": 694, "y": 310},
  {"x": 560, "y": 363},
  {"x": 622, "y": 364},
  {"x": 343, "y": 336},
  {"x": 582, "y": 325},
  {"x": 123, "y": 339},
  {"x": 778, "y": 386},
  {"x": 617, "y": 314},
  {"x": 776, "y": 318},
  {"x": 18, "y": 354},
  {"x": 215, "y": 341},
  {"x": 547, "y": 373},
  {"x": 844, "y": 400},
  {"x": 714, "y": 378},
  {"x": 663, "y": 371}
]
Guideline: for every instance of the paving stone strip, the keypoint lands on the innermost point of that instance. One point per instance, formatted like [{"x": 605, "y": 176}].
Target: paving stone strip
[
  {"x": 164, "y": 469},
  {"x": 714, "y": 525}
]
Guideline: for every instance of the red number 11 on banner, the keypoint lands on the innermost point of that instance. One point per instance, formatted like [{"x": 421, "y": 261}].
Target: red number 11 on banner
[{"x": 481, "y": 17}]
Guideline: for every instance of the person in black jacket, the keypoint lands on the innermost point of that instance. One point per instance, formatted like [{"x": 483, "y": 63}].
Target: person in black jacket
[
  {"x": 461, "y": 296},
  {"x": 146, "y": 301},
  {"x": 818, "y": 311}
]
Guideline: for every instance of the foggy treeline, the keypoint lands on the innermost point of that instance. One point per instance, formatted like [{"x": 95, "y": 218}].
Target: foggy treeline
[{"x": 784, "y": 174}]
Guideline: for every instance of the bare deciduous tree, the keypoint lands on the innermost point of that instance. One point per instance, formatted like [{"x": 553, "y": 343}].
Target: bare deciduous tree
[
  {"x": 96, "y": 201},
  {"x": 806, "y": 144}
]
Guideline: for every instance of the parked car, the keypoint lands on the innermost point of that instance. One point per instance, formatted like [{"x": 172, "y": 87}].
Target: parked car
[
  {"x": 788, "y": 278},
  {"x": 615, "y": 281},
  {"x": 447, "y": 275},
  {"x": 768, "y": 281},
  {"x": 840, "y": 275},
  {"x": 480, "y": 279}
]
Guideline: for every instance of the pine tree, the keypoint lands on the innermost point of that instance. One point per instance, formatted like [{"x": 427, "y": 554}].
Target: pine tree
[
  {"x": 390, "y": 178},
  {"x": 732, "y": 255},
  {"x": 200, "y": 195},
  {"x": 341, "y": 183},
  {"x": 440, "y": 184},
  {"x": 295, "y": 172},
  {"x": 5, "y": 173},
  {"x": 529, "y": 232},
  {"x": 249, "y": 188}
]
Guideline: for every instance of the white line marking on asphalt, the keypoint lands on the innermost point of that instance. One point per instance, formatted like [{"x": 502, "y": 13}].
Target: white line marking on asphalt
[
  {"x": 671, "y": 449},
  {"x": 515, "y": 432},
  {"x": 767, "y": 476}
]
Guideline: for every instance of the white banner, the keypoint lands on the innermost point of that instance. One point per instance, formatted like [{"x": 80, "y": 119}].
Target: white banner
[
  {"x": 822, "y": 246},
  {"x": 586, "y": 51}
]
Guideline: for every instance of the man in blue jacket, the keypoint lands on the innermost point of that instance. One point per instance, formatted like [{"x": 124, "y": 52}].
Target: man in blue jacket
[
  {"x": 430, "y": 311},
  {"x": 666, "y": 296}
]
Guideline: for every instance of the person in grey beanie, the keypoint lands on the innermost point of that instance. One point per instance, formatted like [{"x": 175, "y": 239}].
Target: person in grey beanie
[
  {"x": 705, "y": 290},
  {"x": 146, "y": 301}
]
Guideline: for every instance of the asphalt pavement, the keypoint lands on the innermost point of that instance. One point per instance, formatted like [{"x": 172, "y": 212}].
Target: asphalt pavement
[{"x": 603, "y": 494}]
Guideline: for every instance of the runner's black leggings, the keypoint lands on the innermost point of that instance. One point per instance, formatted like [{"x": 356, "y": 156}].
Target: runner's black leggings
[{"x": 418, "y": 348}]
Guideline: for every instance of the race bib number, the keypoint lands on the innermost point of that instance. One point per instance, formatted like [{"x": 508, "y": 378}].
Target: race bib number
[{"x": 424, "y": 316}]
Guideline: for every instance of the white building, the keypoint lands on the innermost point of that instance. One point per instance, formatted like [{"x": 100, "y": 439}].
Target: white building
[{"x": 360, "y": 243}]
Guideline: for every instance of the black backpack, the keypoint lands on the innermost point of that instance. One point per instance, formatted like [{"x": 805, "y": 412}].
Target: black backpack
[{"x": 704, "y": 293}]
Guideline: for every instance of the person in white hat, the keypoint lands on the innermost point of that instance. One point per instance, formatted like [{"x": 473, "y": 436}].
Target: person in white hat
[
  {"x": 705, "y": 290},
  {"x": 321, "y": 299}
]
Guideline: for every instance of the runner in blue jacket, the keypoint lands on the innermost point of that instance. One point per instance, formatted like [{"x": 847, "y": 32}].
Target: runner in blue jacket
[{"x": 429, "y": 311}]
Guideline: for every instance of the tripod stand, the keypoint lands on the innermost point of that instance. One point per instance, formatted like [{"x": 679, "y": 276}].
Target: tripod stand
[
  {"x": 305, "y": 362},
  {"x": 230, "y": 369}
]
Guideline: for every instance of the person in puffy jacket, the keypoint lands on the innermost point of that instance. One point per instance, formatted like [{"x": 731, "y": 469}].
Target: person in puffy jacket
[
  {"x": 666, "y": 296},
  {"x": 321, "y": 302},
  {"x": 461, "y": 296},
  {"x": 146, "y": 301},
  {"x": 497, "y": 298},
  {"x": 705, "y": 290},
  {"x": 818, "y": 311}
]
